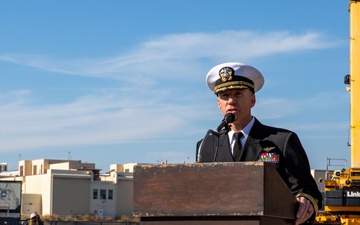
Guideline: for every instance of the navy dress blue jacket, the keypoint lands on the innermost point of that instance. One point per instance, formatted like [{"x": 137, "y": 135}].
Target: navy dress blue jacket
[{"x": 268, "y": 144}]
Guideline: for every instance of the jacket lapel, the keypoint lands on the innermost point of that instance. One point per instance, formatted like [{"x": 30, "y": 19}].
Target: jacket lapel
[
  {"x": 252, "y": 148},
  {"x": 224, "y": 151}
]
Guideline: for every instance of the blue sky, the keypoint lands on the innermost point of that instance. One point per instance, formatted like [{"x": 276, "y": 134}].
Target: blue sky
[{"x": 124, "y": 81}]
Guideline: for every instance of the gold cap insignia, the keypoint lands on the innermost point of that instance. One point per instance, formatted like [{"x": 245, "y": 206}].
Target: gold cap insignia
[{"x": 226, "y": 73}]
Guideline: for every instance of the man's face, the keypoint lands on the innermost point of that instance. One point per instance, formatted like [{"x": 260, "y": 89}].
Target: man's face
[{"x": 239, "y": 102}]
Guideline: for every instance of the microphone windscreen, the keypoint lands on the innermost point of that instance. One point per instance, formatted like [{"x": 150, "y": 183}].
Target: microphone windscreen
[{"x": 229, "y": 118}]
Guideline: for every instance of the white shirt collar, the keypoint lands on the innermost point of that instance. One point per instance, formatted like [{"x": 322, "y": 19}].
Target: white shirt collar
[
  {"x": 245, "y": 131},
  {"x": 247, "y": 128}
]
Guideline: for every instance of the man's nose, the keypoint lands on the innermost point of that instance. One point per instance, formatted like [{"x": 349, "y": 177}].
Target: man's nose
[{"x": 232, "y": 100}]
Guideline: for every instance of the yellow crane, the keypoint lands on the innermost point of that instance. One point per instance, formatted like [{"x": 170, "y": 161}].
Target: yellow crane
[{"x": 342, "y": 188}]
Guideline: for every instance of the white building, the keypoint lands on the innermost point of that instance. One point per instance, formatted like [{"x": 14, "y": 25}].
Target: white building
[{"x": 70, "y": 187}]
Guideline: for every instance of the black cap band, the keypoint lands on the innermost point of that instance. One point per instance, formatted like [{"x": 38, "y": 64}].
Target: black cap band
[{"x": 236, "y": 82}]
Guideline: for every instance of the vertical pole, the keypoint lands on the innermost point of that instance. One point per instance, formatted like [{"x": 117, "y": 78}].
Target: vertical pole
[{"x": 354, "y": 9}]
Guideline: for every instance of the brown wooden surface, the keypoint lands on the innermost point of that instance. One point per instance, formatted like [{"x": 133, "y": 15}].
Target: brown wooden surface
[
  {"x": 211, "y": 189},
  {"x": 238, "y": 221}
]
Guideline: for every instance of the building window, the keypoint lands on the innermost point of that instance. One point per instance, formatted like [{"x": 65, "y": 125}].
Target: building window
[
  {"x": 21, "y": 170},
  {"x": 102, "y": 194},
  {"x": 110, "y": 194},
  {"x": 95, "y": 193},
  {"x": 34, "y": 170}
]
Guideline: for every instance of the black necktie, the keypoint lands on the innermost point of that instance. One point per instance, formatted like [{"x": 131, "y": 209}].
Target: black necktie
[{"x": 237, "y": 146}]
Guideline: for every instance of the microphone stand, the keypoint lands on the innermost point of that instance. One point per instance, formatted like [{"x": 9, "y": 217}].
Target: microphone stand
[
  {"x": 225, "y": 129},
  {"x": 207, "y": 135},
  {"x": 210, "y": 133}
]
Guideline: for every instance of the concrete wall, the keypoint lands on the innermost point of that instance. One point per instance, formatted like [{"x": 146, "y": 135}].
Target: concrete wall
[
  {"x": 103, "y": 207},
  {"x": 38, "y": 185},
  {"x": 31, "y": 203},
  {"x": 125, "y": 194},
  {"x": 70, "y": 196}
]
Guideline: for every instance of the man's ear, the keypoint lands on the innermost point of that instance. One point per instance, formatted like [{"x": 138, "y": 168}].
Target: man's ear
[{"x": 253, "y": 100}]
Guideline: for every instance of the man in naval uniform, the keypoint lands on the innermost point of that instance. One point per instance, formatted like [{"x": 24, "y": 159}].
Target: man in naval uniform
[{"x": 246, "y": 139}]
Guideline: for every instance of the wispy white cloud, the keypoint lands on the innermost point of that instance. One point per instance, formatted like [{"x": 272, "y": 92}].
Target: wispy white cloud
[
  {"x": 175, "y": 52},
  {"x": 117, "y": 116},
  {"x": 93, "y": 119},
  {"x": 316, "y": 113},
  {"x": 226, "y": 44},
  {"x": 109, "y": 118}
]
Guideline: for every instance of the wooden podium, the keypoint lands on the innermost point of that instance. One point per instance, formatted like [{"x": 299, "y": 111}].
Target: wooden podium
[{"x": 241, "y": 193}]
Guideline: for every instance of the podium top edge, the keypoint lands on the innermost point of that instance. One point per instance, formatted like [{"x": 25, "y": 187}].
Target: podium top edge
[{"x": 212, "y": 164}]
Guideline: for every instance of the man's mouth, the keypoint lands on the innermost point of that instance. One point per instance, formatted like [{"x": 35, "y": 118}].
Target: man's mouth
[{"x": 231, "y": 110}]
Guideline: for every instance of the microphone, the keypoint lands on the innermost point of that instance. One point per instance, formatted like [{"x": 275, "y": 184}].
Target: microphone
[{"x": 228, "y": 118}]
